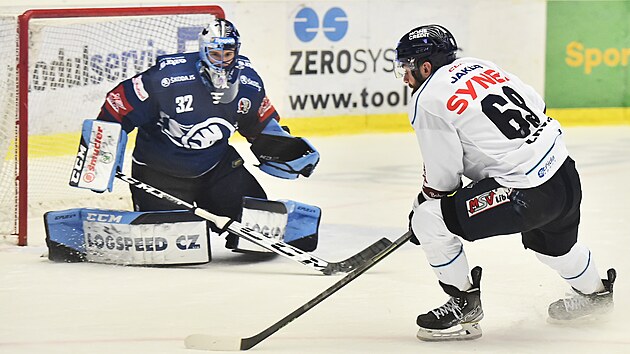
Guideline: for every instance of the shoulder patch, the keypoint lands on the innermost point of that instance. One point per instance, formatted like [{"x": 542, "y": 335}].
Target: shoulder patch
[
  {"x": 265, "y": 110},
  {"x": 244, "y": 104},
  {"x": 138, "y": 88},
  {"x": 117, "y": 104}
]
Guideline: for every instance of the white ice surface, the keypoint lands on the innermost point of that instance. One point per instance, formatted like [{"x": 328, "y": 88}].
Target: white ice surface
[{"x": 365, "y": 185}]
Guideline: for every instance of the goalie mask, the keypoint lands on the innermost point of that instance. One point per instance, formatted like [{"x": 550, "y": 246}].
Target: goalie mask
[
  {"x": 432, "y": 43},
  {"x": 219, "y": 44}
]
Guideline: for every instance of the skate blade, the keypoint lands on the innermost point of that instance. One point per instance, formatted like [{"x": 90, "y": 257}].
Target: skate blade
[
  {"x": 465, "y": 331},
  {"x": 601, "y": 316}
]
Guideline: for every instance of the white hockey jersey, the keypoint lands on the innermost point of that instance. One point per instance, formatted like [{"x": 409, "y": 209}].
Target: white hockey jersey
[{"x": 473, "y": 119}]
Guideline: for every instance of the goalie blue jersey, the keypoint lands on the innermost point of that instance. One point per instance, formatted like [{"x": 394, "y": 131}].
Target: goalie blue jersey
[{"x": 184, "y": 125}]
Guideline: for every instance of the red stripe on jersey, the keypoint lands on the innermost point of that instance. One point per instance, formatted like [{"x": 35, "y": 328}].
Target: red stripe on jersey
[{"x": 116, "y": 103}]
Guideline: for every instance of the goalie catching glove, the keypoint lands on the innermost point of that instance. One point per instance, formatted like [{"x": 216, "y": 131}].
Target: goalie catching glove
[{"x": 282, "y": 155}]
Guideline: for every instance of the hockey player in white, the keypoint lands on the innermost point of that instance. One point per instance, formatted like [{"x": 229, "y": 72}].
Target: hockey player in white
[{"x": 475, "y": 120}]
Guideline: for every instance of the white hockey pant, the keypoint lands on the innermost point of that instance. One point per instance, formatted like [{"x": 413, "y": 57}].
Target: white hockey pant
[{"x": 443, "y": 249}]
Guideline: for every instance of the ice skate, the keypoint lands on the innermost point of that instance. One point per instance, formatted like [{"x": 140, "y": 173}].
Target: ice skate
[
  {"x": 583, "y": 306},
  {"x": 459, "y": 318}
]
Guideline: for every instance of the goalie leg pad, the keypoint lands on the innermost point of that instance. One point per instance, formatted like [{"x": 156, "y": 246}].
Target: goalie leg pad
[
  {"x": 127, "y": 238},
  {"x": 292, "y": 222},
  {"x": 302, "y": 225}
]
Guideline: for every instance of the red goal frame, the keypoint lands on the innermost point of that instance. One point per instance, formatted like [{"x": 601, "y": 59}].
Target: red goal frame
[{"x": 21, "y": 181}]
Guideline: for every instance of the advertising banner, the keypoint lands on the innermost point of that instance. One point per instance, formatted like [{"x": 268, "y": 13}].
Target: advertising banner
[
  {"x": 334, "y": 59},
  {"x": 588, "y": 53}
]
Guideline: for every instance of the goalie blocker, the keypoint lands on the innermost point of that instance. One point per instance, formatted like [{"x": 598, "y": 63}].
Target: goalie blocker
[{"x": 100, "y": 155}]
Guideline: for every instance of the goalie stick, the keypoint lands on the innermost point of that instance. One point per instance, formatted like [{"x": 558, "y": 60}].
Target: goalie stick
[
  {"x": 274, "y": 245},
  {"x": 210, "y": 342}
]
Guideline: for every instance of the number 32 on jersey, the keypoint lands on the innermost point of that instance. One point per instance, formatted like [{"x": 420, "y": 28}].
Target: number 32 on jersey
[{"x": 184, "y": 104}]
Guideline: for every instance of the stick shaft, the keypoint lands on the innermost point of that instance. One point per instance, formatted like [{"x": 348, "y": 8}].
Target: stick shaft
[{"x": 250, "y": 342}]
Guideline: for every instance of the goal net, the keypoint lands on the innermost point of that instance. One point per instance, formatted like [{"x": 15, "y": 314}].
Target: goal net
[{"x": 56, "y": 67}]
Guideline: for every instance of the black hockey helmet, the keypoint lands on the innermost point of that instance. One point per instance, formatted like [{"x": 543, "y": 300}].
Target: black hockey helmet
[{"x": 432, "y": 43}]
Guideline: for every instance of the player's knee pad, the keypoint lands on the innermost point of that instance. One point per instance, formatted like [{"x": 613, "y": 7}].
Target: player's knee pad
[
  {"x": 429, "y": 227},
  {"x": 427, "y": 222}
]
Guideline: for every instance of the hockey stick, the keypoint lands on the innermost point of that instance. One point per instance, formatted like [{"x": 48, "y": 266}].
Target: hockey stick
[
  {"x": 210, "y": 342},
  {"x": 261, "y": 240}
]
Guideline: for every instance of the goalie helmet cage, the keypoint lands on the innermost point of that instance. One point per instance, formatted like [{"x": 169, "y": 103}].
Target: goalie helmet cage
[{"x": 67, "y": 60}]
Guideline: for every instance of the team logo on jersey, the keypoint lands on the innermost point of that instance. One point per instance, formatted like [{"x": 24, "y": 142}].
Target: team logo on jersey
[
  {"x": 488, "y": 200},
  {"x": 138, "y": 88},
  {"x": 197, "y": 136},
  {"x": 247, "y": 81},
  {"x": 171, "y": 61},
  {"x": 244, "y": 104},
  {"x": 167, "y": 81}
]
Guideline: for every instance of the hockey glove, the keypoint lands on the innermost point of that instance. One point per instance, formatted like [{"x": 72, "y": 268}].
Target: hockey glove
[
  {"x": 285, "y": 157},
  {"x": 417, "y": 201}
]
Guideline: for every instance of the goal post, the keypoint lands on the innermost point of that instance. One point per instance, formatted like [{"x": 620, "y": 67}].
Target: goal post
[{"x": 63, "y": 63}]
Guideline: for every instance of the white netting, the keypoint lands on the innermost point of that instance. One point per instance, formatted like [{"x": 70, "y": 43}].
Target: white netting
[
  {"x": 72, "y": 64},
  {"x": 8, "y": 107}
]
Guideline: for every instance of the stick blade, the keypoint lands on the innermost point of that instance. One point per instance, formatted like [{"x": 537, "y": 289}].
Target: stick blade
[
  {"x": 209, "y": 342},
  {"x": 358, "y": 259}
]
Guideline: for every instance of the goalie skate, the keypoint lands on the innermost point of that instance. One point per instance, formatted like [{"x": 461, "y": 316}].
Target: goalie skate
[
  {"x": 584, "y": 306},
  {"x": 459, "y": 318}
]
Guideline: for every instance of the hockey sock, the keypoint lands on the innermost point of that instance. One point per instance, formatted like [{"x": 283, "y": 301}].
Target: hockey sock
[
  {"x": 454, "y": 272},
  {"x": 577, "y": 268}
]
